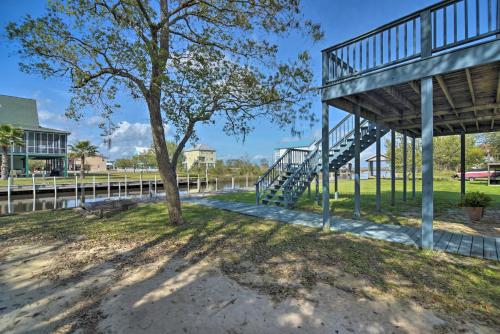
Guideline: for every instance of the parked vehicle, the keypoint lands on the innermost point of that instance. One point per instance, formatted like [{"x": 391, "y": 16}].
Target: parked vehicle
[{"x": 479, "y": 174}]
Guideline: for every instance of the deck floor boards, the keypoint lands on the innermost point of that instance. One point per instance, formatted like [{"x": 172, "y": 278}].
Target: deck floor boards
[{"x": 455, "y": 243}]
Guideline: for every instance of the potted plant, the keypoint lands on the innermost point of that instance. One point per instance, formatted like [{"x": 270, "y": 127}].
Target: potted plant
[{"x": 474, "y": 203}]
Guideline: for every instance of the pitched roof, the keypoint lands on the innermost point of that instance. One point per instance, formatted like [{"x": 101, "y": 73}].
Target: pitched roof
[
  {"x": 18, "y": 110},
  {"x": 22, "y": 113},
  {"x": 200, "y": 147},
  {"x": 374, "y": 158}
]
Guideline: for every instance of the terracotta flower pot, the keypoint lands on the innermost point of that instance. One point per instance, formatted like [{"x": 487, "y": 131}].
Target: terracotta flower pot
[{"x": 475, "y": 213}]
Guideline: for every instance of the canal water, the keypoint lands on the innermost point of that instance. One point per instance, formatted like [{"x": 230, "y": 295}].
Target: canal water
[{"x": 50, "y": 201}]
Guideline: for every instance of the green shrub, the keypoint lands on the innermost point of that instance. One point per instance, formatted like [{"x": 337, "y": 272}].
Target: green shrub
[{"x": 476, "y": 199}]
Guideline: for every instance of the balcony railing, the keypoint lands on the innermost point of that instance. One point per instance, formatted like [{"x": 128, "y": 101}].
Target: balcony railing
[{"x": 447, "y": 25}]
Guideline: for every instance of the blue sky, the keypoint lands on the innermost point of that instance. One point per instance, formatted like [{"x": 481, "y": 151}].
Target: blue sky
[{"x": 340, "y": 20}]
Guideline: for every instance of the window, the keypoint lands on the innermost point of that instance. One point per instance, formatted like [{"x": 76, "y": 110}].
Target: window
[
  {"x": 62, "y": 143},
  {"x": 56, "y": 143},
  {"x": 50, "y": 142},
  {"x": 31, "y": 142}
]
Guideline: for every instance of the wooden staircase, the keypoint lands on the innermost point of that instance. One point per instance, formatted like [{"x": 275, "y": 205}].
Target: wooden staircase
[{"x": 287, "y": 179}]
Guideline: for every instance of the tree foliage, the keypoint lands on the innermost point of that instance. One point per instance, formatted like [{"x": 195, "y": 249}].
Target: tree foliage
[
  {"x": 190, "y": 61},
  {"x": 446, "y": 152},
  {"x": 9, "y": 135},
  {"x": 83, "y": 149}
]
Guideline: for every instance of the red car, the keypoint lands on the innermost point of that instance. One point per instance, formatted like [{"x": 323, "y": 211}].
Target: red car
[{"x": 479, "y": 174}]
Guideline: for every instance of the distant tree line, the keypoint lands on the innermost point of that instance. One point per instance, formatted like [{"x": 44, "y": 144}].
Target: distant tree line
[
  {"x": 479, "y": 149},
  {"x": 233, "y": 167}
]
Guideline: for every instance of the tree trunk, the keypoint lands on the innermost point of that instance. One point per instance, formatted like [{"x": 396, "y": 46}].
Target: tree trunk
[
  {"x": 165, "y": 168},
  {"x": 4, "y": 167},
  {"x": 82, "y": 167}
]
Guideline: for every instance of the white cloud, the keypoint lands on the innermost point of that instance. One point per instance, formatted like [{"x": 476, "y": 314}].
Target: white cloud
[
  {"x": 47, "y": 116},
  {"x": 129, "y": 139}
]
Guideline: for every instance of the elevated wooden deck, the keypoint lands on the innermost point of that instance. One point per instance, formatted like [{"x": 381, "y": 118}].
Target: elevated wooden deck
[{"x": 453, "y": 42}]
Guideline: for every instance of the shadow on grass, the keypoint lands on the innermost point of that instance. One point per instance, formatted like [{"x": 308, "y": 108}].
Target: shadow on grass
[{"x": 292, "y": 257}]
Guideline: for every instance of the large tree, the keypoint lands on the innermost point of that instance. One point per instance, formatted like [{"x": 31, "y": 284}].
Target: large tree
[{"x": 160, "y": 50}]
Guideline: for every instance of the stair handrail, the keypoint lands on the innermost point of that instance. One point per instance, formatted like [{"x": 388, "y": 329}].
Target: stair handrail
[
  {"x": 285, "y": 162},
  {"x": 309, "y": 163},
  {"x": 291, "y": 182}
]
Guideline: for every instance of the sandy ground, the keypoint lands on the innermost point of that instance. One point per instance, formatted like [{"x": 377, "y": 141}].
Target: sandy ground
[{"x": 83, "y": 287}]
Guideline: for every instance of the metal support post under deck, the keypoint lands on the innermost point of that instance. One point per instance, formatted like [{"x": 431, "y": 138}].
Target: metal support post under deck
[
  {"x": 317, "y": 190},
  {"x": 357, "y": 163},
  {"x": 393, "y": 167},
  {"x": 427, "y": 163},
  {"x": 413, "y": 169},
  {"x": 377, "y": 170},
  {"x": 325, "y": 166},
  {"x": 405, "y": 158},
  {"x": 336, "y": 183},
  {"x": 462, "y": 164}
]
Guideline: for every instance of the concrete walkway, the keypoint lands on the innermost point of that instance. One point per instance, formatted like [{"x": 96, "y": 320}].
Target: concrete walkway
[{"x": 455, "y": 243}]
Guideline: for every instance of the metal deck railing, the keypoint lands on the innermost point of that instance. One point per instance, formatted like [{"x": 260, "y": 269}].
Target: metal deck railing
[{"x": 453, "y": 24}]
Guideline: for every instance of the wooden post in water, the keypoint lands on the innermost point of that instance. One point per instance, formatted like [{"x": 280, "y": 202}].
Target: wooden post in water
[
  {"x": 198, "y": 184},
  {"x": 109, "y": 187},
  {"x": 55, "y": 193},
  {"x": 126, "y": 187},
  {"x": 156, "y": 185},
  {"x": 232, "y": 182},
  {"x": 34, "y": 190},
  {"x": 93, "y": 186},
  {"x": 76, "y": 190},
  {"x": 82, "y": 193},
  {"x": 246, "y": 183},
  {"x": 9, "y": 180},
  {"x": 216, "y": 184},
  {"x": 140, "y": 186},
  {"x": 149, "y": 188},
  {"x": 119, "y": 189},
  {"x": 188, "y": 184}
]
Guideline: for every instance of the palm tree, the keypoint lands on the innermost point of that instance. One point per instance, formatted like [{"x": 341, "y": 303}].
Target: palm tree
[
  {"x": 81, "y": 150},
  {"x": 9, "y": 135}
]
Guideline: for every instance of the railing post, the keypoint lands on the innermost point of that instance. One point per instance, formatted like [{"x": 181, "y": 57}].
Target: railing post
[
  {"x": 426, "y": 34},
  {"x": 109, "y": 186},
  {"x": 126, "y": 187},
  {"x": 325, "y": 66}
]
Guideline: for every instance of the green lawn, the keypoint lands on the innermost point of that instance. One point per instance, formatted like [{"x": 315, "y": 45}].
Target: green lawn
[
  {"x": 446, "y": 196},
  {"x": 459, "y": 287}
]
